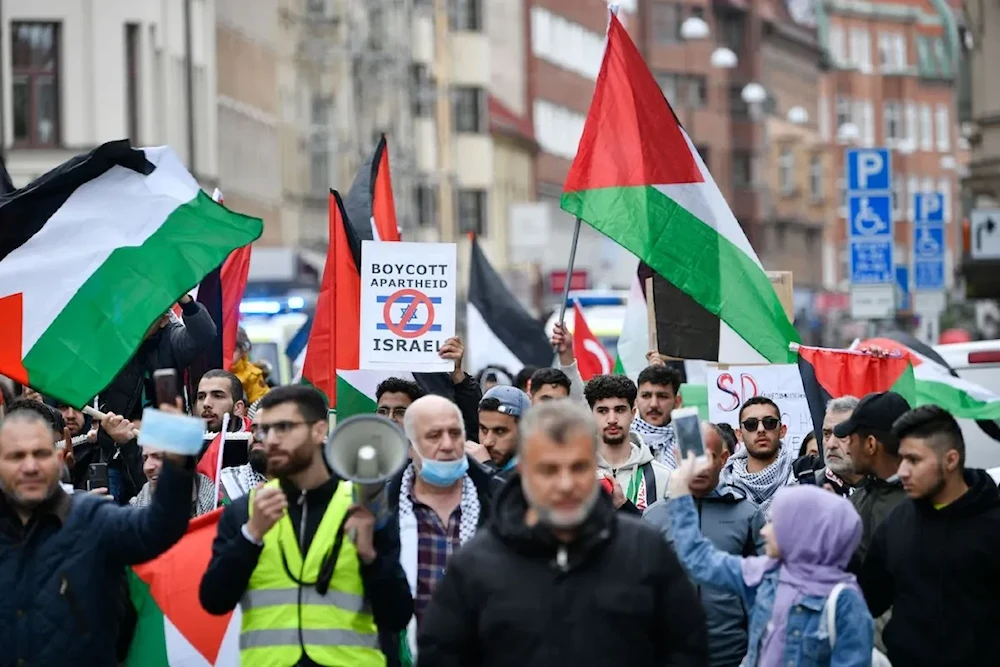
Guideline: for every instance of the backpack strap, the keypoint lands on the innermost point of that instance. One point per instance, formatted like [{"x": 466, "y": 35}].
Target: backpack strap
[
  {"x": 831, "y": 613},
  {"x": 649, "y": 477}
]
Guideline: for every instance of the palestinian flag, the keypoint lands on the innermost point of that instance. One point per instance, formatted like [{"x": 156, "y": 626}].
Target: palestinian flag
[
  {"x": 92, "y": 254},
  {"x": 828, "y": 374},
  {"x": 938, "y": 384},
  {"x": 369, "y": 204},
  {"x": 638, "y": 179},
  {"x": 172, "y": 627},
  {"x": 633, "y": 343},
  {"x": 332, "y": 357},
  {"x": 500, "y": 331}
]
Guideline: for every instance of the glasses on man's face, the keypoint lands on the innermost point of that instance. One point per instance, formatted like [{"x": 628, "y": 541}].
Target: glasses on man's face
[
  {"x": 280, "y": 428},
  {"x": 770, "y": 423},
  {"x": 394, "y": 413}
]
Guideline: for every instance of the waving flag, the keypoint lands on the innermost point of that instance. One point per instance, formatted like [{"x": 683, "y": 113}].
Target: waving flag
[
  {"x": 369, "y": 204},
  {"x": 172, "y": 629},
  {"x": 92, "y": 254},
  {"x": 591, "y": 357},
  {"x": 638, "y": 179}
]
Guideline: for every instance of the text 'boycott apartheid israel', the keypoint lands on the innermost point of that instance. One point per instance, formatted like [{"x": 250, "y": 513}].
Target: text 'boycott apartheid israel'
[{"x": 408, "y": 302}]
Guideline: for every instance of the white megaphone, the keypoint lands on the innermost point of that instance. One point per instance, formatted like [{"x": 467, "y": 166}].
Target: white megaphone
[{"x": 367, "y": 450}]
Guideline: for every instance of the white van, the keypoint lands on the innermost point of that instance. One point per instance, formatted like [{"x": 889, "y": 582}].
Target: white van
[{"x": 977, "y": 362}]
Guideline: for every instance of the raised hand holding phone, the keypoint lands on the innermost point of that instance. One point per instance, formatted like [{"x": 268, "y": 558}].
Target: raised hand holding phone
[{"x": 168, "y": 428}]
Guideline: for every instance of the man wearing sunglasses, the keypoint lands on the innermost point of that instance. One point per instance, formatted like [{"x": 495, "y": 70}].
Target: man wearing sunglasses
[
  {"x": 763, "y": 464},
  {"x": 314, "y": 578}
]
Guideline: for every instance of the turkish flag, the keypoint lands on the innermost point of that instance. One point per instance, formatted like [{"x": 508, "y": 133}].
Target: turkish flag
[{"x": 591, "y": 357}]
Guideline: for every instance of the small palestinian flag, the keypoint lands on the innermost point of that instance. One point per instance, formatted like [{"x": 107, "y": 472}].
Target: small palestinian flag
[
  {"x": 638, "y": 180},
  {"x": 173, "y": 630},
  {"x": 828, "y": 374},
  {"x": 92, "y": 254},
  {"x": 369, "y": 203},
  {"x": 500, "y": 331}
]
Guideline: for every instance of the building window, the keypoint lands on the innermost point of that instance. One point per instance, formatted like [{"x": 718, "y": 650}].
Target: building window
[
  {"x": 469, "y": 109},
  {"x": 697, "y": 92},
  {"x": 892, "y": 122},
  {"x": 861, "y": 54},
  {"x": 943, "y": 128},
  {"x": 816, "y": 177},
  {"x": 898, "y": 195},
  {"x": 892, "y": 51},
  {"x": 425, "y": 202},
  {"x": 867, "y": 123},
  {"x": 738, "y": 107},
  {"x": 926, "y": 128},
  {"x": 668, "y": 85},
  {"x": 838, "y": 49},
  {"x": 786, "y": 171},
  {"x": 944, "y": 187},
  {"x": 132, "y": 69},
  {"x": 731, "y": 30},
  {"x": 742, "y": 169},
  {"x": 472, "y": 211},
  {"x": 557, "y": 128},
  {"x": 466, "y": 15},
  {"x": 912, "y": 131},
  {"x": 666, "y": 22},
  {"x": 913, "y": 187},
  {"x": 566, "y": 44},
  {"x": 35, "y": 90},
  {"x": 843, "y": 112},
  {"x": 424, "y": 96}
]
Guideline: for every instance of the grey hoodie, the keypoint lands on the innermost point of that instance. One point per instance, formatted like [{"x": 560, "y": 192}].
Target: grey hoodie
[
  {"x": 731, "y": 523},
  {"x": 641, "y": 454}
]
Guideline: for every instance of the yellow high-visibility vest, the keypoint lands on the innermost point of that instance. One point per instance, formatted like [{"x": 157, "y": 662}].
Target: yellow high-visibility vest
[{"x": 282, "y": 619}]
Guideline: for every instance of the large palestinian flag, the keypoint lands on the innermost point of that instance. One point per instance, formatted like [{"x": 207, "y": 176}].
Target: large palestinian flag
[
  {"x": 638, "y": 179},
  {"x": 937, "y": 384},
  {"x": 633, "y": 343},
  {"x": 828, "y": 374},
  {"x": 92, "y": 253},
  {"x": 173, "y": 630}
]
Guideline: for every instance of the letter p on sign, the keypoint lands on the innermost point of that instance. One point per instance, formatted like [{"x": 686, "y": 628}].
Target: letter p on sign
[{"x": 869, "y": 164}]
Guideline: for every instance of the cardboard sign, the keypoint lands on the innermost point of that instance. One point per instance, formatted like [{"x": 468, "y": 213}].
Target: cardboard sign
[
  {"x": 729, "y": 388},
  {"x": 408, "y": 305}
]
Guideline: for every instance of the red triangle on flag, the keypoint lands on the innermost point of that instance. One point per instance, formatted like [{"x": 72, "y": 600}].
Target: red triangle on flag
[
  {"x": 591, "y": 357},
  {"x": 174, "y": 578},
  {"x": 628, "y": 110},
  {"x": 12, "y": 338}
]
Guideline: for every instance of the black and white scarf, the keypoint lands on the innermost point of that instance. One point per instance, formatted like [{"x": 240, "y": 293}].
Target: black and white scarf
[
  {"x": 661, "y": 440},
  {"x": 761, "y": 486}
]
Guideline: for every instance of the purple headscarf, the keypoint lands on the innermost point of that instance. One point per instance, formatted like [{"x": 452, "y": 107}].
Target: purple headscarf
[{"x": 817, "y": 533}]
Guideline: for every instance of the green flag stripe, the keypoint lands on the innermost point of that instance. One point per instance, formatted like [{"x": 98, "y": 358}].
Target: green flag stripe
[
  {"x": 106, "y": 319},
  {"x": 694, "y": 257},
  {"x": 955, "y": 401},
  {"x": 352, "y": 402},
  {"x": 149, "y": 643}
]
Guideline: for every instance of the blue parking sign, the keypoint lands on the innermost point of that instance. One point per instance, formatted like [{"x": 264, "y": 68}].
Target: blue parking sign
[
  {"x": 929, "y": 275},
  {"x": 928, "y": 207},
  {"x": 871, "y": 263},
  {"x": 869, "y": 169},
  {"x": 870, "y": 216},
  {"x": 903, "y": 286}
]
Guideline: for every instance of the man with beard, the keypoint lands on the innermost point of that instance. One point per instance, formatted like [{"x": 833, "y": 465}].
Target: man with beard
[
  {"x": 220, "y": 393},
  {"x": 839, "y": 475},
  {"x": 659, "y": 394},
  {"x": 936, "y": 558},
  {"x": 313, "y": 577},
  {"x": 763, "y": 465},
  {"x": 559, "y": 577},
  {"x": 638, "y": 480},
  {"x": 238, "y": 480},
  {"x": 63, "y": 554}
]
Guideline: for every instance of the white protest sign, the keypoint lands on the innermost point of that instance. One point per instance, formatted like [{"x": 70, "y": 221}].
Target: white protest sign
[
  {"x": 729, "y": 389},
  {"x": 407, "y": 305}
]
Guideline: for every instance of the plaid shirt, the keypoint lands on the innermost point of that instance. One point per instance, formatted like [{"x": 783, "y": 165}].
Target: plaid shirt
[{"x": 435, "y": 544}]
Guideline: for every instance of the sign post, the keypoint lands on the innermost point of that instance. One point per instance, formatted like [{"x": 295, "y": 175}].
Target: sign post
[
  {"x": 928, "y": 262},
  {"x": 407, "y": 305},
  {"x": 870, "y": 232}
]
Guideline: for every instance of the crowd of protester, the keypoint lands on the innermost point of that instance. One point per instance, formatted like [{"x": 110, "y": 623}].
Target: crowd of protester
[{"x": 539, "y": 520}]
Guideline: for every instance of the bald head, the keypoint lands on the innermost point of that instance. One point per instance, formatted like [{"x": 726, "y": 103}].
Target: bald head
[
  {"x": 429, "y": 408},
  {"x": 712, "y": 438}
]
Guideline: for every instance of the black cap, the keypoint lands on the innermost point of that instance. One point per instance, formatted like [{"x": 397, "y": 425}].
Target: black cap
[{"x": 875, "y": 412}]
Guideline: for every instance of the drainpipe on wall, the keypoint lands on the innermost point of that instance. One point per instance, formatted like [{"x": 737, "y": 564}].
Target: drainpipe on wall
[{"x": 189, "y": 86}]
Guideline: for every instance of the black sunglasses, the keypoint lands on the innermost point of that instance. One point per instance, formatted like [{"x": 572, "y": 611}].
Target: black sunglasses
[{"x": 770, "y": 423}]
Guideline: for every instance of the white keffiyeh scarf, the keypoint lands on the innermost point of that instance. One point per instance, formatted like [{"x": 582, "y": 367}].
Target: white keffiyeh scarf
[
  {"x": 661, "y": 440},
  {"x": 761, "y": 486},
  {"x": 408, "y": 537}
]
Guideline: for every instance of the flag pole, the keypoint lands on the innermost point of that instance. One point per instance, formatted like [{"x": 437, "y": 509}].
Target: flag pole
[{"x": 569, "y": 271}]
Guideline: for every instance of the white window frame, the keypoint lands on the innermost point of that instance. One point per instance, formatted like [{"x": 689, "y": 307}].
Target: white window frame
[
  {"x": 892, "y": 122},
  {"x": 816, "y": 177},
  {"x": 838, "y": 49},
  {"x": 912, "y": 188},
  {"x": 942, "y": 127},
  {"x": 926, "y": 128},
  {"x": 911, "y": 130},
  {"x": 786, "y": 170}
]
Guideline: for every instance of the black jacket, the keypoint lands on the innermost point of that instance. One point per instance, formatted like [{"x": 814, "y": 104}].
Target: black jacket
[
  {"x": 874, "y": 500},
  {"x": 234, "y": 559},
  {"x": 61, "y": 573},
  {"x": 515, "y": 595},
  {"x": 465, "y": 394},
  {"x": 939, "y": 570}
]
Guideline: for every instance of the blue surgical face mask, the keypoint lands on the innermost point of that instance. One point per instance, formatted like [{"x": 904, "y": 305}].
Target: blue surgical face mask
[{"x": 442, "y": 473}]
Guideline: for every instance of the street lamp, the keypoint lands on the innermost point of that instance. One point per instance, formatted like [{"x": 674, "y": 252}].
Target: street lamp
[
  {"x": 798, "y": 116},
  {"x": 723, "y": 58},
  {"x": 694, "y": 28},
  {"x": 848, "y": 133},
  {"x": 753, "y": 94}
]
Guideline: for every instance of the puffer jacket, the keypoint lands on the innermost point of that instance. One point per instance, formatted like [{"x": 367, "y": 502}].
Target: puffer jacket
[
  {"x": 61, "y": 572},
  {"x": 516, "y": 596},
  {"x": 732, "y": 524}
]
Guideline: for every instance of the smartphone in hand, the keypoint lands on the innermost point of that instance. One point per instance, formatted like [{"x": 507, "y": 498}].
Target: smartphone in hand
[
  {"x": 687, "y": 428},
  {"x": 97, "y": 476},
  {"x": 167, "y": 390}
]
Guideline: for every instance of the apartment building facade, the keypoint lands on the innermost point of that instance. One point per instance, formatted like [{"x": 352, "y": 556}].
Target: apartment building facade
[{"x": 892, "y": 83}]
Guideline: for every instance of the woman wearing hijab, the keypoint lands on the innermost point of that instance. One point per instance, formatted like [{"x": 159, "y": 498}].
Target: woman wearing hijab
[{"x": 809, "y": 541}]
